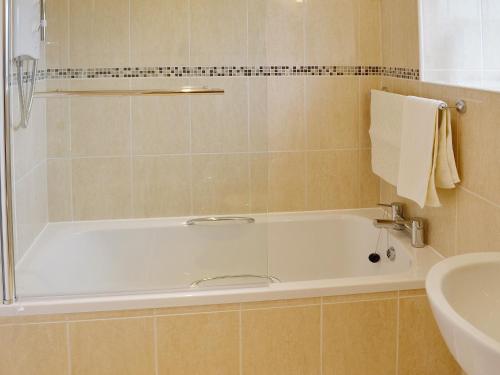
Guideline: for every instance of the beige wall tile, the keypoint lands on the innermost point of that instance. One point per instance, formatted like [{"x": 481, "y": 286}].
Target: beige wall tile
[
  {"x": 160, "y": 125},
  {"x": 281, "y": 303},
  {"x": 286, "y": 125},
  {"x": 259, "y": 182},
  {"x": 57, "y": 45},
  {"x": 479, "y": 132},
  {"x": 220, "y": 184},
  {"x": 199, "y": 344},
  {"x": 335, "y": 21},
  {"x": 267, "y": 45},
  {"x": 112, "y": 347},
  {"x": 421, "y": 347},
  {"x": 258, "y": 114},
  {"x": 218, "y": 32},
  {"x": 100, "y": 315},
  {"x": 412, "y": 293},
  {"x": 360, "y": 338},
  {"x": 220, "y": 122},
  {"x": 281, "y": 341},
  {"x": 366, "y": 84},
  {"x": 287, "y": 181},
  {"x": 33, "y": 349},
  {"x": 59, "y": 187},
  {"x": 58, "y": 122},
  {"x": 332, "y": 179},
  {"x": 159, "y": 32},
  {"x": 31, "y": 214},
  {"x": 385, "y": 29},
  {"x": 332, "y": 112},
  {"x": 197, "y": 309},
  {"x": 369, "y": 190},
  {"x": 363, "y": 297},
  {"x": 400, "y": 32},
  {"x": 99, "y": 33},
  {"x": 101, "y": 188},
  {"x": 30, "y": 144},
  {"x": 370, "y": 38},
  {"x": 162, "y": 186},
  {"x": 478, "y": 224},
  {"x": 100, "y": 126}
]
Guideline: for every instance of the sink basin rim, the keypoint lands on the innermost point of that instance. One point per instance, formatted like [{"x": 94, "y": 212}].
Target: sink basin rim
[{"x": 438, "y": 300}]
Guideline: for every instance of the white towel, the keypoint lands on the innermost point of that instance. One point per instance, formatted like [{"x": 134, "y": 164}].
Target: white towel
[
  {"x": 385, "y": 134},
  {"x": 426, "y": 157},
  {"x": 446, "y": 168}
]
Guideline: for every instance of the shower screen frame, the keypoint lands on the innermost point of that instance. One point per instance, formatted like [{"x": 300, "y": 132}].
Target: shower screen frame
[{"x": 6, "y": 196}]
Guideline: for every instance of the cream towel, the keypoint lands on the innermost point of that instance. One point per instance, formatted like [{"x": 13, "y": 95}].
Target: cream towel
[
  {"x": 427, "y": 159},
  {"x": 385, "y": 134},
  {"x": 446, "y": 168},
  {"x": 419, "y": 139}
]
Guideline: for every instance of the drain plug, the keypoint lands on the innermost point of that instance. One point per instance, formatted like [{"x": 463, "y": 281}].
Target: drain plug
[{"x": 374, "y": 257}]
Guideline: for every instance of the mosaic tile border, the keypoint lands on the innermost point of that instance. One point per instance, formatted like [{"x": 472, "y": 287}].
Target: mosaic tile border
[{"x": 226, "y": 71}]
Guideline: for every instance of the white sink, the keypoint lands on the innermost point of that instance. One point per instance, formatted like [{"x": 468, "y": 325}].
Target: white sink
[{"x": 464, "y": 292}]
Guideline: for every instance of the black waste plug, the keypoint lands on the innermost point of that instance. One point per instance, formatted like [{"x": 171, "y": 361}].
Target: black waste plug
[{"x": 374, "y": 258}]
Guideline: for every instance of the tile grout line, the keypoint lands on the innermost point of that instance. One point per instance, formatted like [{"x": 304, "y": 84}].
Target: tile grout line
[
  {"x": 68, "y": 348},
  {"x": 209, "y": 153},
  {"x": 70, "y": 123},
  {"x": 397, "y": 331},
  {"x": 480, "y": 197},
  {"x": 240, "y": 312},
  {"x": 249, "y": 162},
  {"x": 321, "y": 336},
  {"x": 155, "y": 343}
]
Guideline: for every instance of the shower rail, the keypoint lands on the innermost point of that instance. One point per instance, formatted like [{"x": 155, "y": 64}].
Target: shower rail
[
  {"x": 155, "y": 92},
  {"x": 204, "y": 220},
  {"x": 6, "y": 217},
  {"x": 271, "y": 279}
]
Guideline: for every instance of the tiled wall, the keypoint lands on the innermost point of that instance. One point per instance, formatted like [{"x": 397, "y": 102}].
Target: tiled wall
[
  {"x": 378, "y": 334},
  {"x": 469, "y": 220},
  {"x": 29, "y": 175},
  {"x": 278, "y": 143}
]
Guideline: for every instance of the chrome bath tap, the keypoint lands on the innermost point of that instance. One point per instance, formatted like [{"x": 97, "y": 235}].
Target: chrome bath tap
[{"x": 413, "y": 226}]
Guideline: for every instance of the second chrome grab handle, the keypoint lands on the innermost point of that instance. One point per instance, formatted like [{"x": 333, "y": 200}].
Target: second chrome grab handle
[{"x": 209, "y": 220}]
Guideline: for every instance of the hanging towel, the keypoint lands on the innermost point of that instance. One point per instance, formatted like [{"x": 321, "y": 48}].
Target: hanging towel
[
  {"x": 385, "y": 134},
  {"x": 419, "y": 139},
  {"x": 426, "y": 158},
  {"x": 446, "y": 168}
]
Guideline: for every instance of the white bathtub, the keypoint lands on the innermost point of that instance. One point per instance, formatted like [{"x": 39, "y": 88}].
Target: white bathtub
[{"x": 128, "y": 264}]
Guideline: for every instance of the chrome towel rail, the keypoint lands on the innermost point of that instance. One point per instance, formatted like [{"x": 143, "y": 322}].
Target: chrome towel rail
[
  {"x": 172, "y": 92},
  {"x": 460, "y": 105},
  {"x": 271, "y": 279},
  {"x": 205, "y": 220}
]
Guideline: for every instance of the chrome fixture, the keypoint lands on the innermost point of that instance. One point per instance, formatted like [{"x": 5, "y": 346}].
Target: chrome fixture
[
  {"x": 43, "y": 21},
  {"x": 414, "y": 226},
  {"x": 208, "y": 220},
  {"x": 188, "y": 90},
  {"x": 460, "y": 104},
  {"x": 396, "y": 209},
  {"x": 6, "y": 201},
  {"x": 29, "y": 26},
  {"x": 25, "y": 65},
  {"x": 271, "y": 279},
  {"x": 391, "y": 254}
]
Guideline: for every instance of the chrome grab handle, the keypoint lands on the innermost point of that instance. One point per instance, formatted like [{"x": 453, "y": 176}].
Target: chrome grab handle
[
  {"x": 271, "y": 279},
  {"x": 203, "y": 220}
]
